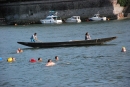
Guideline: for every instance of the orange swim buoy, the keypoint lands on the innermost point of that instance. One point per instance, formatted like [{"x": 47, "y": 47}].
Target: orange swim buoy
[{"x": 32, "y": 60}]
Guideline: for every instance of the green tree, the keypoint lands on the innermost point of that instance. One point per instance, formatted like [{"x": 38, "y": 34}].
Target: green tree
[{"x": 124, "y": 2}]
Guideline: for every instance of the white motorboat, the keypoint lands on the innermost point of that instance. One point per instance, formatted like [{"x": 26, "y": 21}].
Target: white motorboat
[
  {"x": 51, "y": 19},
  {"x": 74, "y": 19},
  {"x": 97, "y": 17}
]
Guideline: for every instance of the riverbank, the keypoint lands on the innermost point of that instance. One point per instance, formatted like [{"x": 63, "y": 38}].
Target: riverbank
[
  {"x": 33, "y": 11},
  {"x": 29, "y": 22},
  {"x": 30, "y": 12}
]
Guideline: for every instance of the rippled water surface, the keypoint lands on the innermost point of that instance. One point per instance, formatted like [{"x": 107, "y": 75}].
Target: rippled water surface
[{"x": 86, "y": 66}]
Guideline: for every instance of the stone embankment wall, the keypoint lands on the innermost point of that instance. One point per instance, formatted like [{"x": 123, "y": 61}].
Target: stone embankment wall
[{"x": 32, "y": 12}]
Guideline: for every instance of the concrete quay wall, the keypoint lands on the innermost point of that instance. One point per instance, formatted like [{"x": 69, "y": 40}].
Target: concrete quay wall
[{"x": 32, "y": 12}]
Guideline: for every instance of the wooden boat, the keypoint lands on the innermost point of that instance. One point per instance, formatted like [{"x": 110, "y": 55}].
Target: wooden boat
[{"x": 68, "y": 43}]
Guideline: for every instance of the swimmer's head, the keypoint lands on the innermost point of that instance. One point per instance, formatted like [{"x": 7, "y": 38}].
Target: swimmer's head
[
  {"x": 56, "y": 58},
  {"x": 39, "y": 59}
]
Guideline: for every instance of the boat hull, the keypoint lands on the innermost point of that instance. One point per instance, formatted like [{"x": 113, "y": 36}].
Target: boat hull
[
  {"x": 67, "y": 43},
  {"x": 98, "y": 19},
  {"x": 51, "y": 21},
  {"x": 73, "y": 19},
  {"x": 70, "y": 21}
]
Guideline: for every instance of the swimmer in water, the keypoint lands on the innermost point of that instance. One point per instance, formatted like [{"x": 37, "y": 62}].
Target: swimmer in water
[
  {"x": 56, "y": 58},
  {"x": 11, "y": 59},
  {"x": 50, "y": 63},
  {"x": 19, "y": 50},
  {"x": 123, "y": 49},
  {"x": 39, "y": 59}
]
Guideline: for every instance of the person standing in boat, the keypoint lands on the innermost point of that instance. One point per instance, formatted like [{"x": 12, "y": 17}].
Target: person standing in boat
[
  {"x": 87, "y": 36},
  {"x": 34, "y": 37}
]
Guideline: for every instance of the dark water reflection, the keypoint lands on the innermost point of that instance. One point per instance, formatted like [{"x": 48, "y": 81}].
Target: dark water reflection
[{"x": 85, "y": 66}]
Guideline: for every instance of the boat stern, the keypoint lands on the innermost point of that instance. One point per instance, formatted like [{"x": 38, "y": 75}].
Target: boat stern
[{"x": 104, "y": 18}]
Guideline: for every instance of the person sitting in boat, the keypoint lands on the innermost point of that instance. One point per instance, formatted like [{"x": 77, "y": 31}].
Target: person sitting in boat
[
  {"x": 19, "y": 50},
  {"x": 50, "y": 63},
  {"x": 87, "y": 36},
  {"x": 34, "y": 37},
  {"x": 39, "y": 59}
]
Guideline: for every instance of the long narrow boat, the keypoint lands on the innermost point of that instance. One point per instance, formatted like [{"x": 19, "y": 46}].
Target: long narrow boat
[{"x": 68, "y": 43}]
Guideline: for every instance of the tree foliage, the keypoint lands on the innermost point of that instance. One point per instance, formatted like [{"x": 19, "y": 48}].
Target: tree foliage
[{"x": 124, "y": 2}]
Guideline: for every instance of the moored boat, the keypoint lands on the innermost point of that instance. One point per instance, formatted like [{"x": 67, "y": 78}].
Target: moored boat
[
  {"x": 52, "y": 18},
  {"x": 73, "y": 19},
  {"x": 68, "y": 43},
  {"x": 97, "y": 17}
]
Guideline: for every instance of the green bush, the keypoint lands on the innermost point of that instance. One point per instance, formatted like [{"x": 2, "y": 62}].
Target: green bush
[{"x": 124, "y": 2}]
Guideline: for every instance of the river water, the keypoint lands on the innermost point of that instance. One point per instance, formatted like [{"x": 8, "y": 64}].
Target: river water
[{"x": 86, "y": 66}]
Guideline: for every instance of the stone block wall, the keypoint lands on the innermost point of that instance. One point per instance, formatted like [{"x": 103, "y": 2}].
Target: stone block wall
[{"x": 22, "y": 12}]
